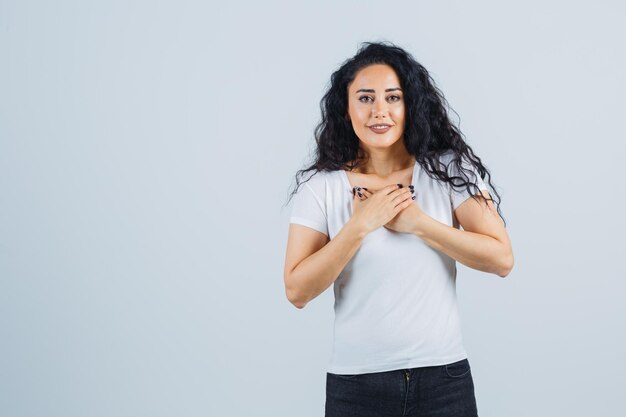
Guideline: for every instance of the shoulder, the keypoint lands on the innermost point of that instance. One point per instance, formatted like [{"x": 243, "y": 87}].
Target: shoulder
[
  {"x": 322, "y": 177},
  {"x": 447, "y": 156},
  {"x": 319, "y": 181},
  {"x": 439, "y": 161},
  {"x": 451, "y": 160}
]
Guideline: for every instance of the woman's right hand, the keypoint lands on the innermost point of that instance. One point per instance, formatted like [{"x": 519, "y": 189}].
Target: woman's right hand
[{"x": 380, "y": 207}]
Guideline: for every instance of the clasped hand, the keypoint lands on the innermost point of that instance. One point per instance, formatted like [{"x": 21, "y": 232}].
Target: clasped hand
[{"x": 391, "y": 207}]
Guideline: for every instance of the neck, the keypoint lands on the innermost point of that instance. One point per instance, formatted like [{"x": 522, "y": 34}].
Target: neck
[{"x": 383, "y": 164}]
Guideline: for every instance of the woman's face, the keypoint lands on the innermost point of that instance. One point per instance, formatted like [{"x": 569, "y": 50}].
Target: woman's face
[{"x": 375, "y": 98}]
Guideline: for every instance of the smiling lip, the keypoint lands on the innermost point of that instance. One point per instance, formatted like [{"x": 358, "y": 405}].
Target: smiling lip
[{"x": 379, "y": 130}]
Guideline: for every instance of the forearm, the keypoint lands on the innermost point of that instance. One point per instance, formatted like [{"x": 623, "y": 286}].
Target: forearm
[
  {"x": 317, "y": 272},
  {"x": 474, "y": 250}
]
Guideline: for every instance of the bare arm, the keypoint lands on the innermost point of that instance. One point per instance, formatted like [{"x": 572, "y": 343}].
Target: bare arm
[
  {"x": 313, "y": 262},
  {"x": 483, "y": 244}
]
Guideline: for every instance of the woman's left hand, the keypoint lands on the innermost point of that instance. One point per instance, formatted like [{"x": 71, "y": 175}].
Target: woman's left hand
[{"x": 406, "y": 220}]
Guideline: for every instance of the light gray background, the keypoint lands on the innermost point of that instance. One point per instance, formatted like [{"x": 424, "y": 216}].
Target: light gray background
[{"x": 146, "y": 151}]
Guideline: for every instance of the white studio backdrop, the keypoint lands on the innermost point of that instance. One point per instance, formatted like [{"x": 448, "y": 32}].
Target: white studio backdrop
[{"x": 147, "y": 149}]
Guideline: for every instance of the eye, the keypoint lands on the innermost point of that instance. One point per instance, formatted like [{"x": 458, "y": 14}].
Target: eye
[
  {"x": 397, "y": 98},
  {"x": 362, "y": 97}
]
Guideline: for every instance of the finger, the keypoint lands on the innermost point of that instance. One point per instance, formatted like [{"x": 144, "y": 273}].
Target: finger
[
  {"x": 362, "y": 192},
  {"x": 391, "y": 188},
  {"x": 357, "y": 192},
  {"x": 402, "y": 205},
  {"x": 403, "y": 195},
  {"x": 404, "y": 191}
]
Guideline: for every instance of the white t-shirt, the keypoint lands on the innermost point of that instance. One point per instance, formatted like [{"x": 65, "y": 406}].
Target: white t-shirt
[{"x": 395, "y": 300}]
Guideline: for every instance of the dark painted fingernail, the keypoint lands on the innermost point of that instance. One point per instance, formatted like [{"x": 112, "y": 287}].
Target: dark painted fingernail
[
  {"x": 400, "y": 185},
  {"x": 365, "y": 189},
  {"x": 411, "y": 186},
  {"x": 353, "y": 191},
  {"x": 412, "y": 191},
  {"x": 358, "y": 188},
  {"x": 413, "y": 198},
  {"x": 360, "y": 195}
]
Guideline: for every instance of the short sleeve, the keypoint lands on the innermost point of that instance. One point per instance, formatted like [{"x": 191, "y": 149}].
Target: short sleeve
[
  {"x": 458, "y": 195},
  {"x": 309, "y": 208}
]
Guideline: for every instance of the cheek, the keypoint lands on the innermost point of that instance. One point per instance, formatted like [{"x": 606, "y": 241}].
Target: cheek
[
  {"x": 360, "y": 115},
  {"x": 398, "y": 112}
]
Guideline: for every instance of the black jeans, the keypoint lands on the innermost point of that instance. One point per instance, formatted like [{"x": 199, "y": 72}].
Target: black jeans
[{"x": 442, "y": 391}]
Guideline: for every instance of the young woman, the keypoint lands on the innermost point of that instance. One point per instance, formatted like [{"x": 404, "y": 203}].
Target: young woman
[{"x": 380, "y": 219}]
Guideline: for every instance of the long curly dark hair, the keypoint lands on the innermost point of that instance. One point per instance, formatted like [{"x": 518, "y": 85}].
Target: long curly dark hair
[{"x": 428, "y": 132}]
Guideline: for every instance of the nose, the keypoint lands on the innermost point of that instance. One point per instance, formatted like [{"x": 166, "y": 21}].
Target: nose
[{"x": 379, "y": 109}]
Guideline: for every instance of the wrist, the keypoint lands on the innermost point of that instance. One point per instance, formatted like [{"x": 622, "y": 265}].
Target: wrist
[
  {"x": 418, "y": 226},
  {"x": 356, "y": 228}
]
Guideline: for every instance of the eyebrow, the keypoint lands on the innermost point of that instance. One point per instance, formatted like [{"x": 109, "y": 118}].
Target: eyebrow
[{"x": 371, "y": 90}]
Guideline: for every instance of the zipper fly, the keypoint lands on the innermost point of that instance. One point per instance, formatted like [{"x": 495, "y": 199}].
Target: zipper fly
[{"x": 407, "y": 373}]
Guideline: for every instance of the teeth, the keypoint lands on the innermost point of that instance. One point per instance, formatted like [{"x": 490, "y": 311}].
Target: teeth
[{"x": 380, "y": 127}]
